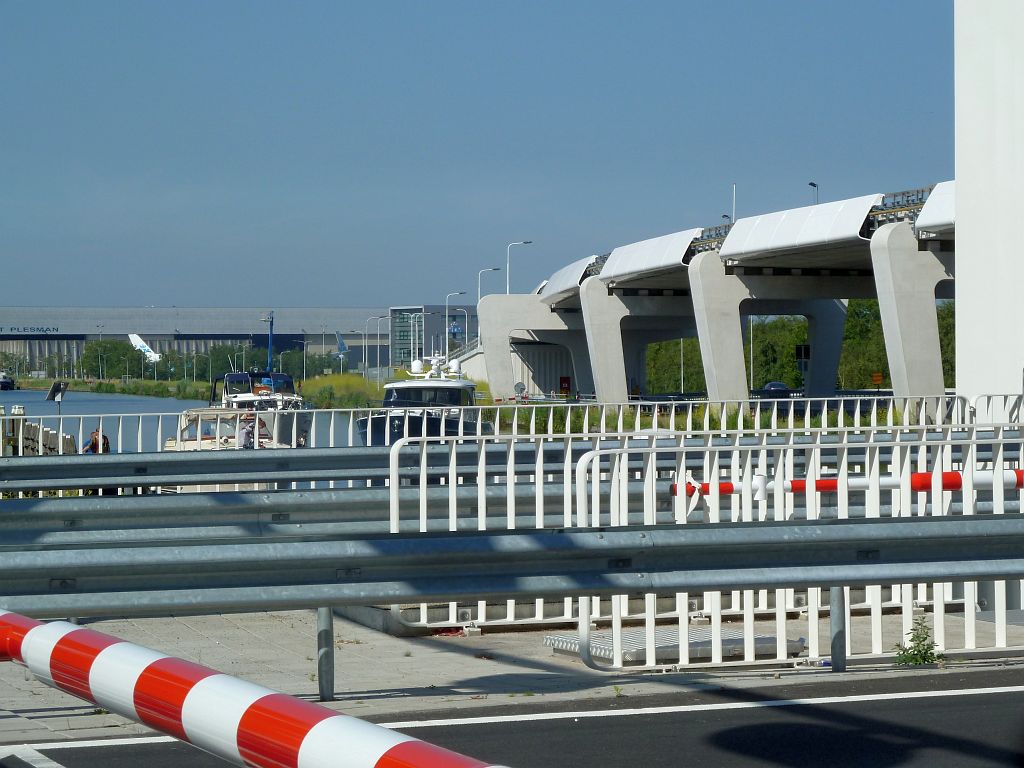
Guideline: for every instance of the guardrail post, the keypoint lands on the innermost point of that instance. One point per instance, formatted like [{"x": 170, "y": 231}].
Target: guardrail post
[
  {"x": 325, "y": 652},
  {"x": 837, "y": 624}
]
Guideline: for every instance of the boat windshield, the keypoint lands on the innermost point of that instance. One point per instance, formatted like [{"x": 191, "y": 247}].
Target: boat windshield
[
  {"x": 278, "y": 382},
  {"x": 261, "y": 381},
  {"x": 446, "y": 396}
]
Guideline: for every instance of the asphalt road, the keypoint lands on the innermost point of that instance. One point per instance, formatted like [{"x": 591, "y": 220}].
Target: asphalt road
[{"x": 976, "y": 719}]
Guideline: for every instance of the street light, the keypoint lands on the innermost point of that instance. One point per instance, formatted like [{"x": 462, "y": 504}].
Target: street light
[
  {"x": 304, "y": 345},
  {"x": 479, "y": 275},
  {"x": 813, "y": 184},
  {"x": 388, "y": 318},
  {"x": 270, "y": 338},
  {"x": 465, "y": 333},
  {"x": 415, "y": 337},
  {"x": 366, "y": 333},
  {"x": 341, "y": 356},
  {"x": 195, "y": 364},
  {"x": 508, "y": 262},
  {"x": 448, "y": 335}
]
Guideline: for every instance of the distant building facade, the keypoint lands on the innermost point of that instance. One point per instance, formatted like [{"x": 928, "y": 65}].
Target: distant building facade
[{"x": 369, "y": 334}]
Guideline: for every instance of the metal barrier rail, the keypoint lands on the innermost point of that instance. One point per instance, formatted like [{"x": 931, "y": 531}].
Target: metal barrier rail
[
  {"x": 522, "y": 456},
  {"x": 238, "y": 721},
  {"x": 898, "y": 473},
  {"x": 138, "y": 579}
]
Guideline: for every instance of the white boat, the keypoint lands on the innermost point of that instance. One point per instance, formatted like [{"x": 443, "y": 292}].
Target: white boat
[
  {"x": 217, "y": 429},
  {"x": 6, "y": 381},
  {"x": 434, "y": 402},
  {"x": 247, "y": 409}
]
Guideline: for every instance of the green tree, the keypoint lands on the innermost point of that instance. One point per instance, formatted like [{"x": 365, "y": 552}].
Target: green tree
[
  {"x": 664, "y": 372},
  {"x": 947, "y": 341},
  {"x": 16, "y": 364},
  {"x": 113, "y": 356}
]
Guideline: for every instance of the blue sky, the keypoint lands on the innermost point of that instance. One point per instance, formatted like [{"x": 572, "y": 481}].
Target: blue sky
[{"x": 364, "y": 154}]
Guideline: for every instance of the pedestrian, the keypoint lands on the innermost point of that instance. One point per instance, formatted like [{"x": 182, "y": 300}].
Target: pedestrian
[
  {"x": 247, "y": 430},
  {"x": 100, "y": 444},
  {"x": 95, "y": 443}
]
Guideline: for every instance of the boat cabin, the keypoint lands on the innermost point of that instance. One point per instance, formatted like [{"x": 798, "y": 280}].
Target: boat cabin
[
  {"x": 427, "y": 393},
  {"x": 240, "y": 387}
]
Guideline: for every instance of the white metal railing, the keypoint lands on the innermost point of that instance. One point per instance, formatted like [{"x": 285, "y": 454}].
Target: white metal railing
[
  {"x": 873, "y": 473},
  {"x": 153, "y": 432},
  {"x": 721, "y": 477}
]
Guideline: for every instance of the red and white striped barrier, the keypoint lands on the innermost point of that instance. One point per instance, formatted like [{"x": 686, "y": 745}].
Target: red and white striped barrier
[
  {"x": 241, "y": 722},
  {"x": 1013, "y": 479}
]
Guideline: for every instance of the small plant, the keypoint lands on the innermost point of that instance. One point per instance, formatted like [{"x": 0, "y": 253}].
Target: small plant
[
  {"x": 618, "y": 691},
  {"x": 921, "y": 648}
]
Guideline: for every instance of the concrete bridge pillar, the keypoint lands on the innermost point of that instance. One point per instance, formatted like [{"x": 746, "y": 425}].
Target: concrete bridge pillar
[
  {"x": 716, "y": 309},
  {"x": 602, "y": 318},
  {"x": 826, "y": 322},
  {"x": 619, "y": 328},
  {"x": 905, "y": 280}
]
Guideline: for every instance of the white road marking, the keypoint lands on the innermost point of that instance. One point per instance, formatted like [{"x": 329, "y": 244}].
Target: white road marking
[
  {"x": 406, "y": 724},
  {"x": 522, "y": 718},
  {"x": 30, "y": 756}
]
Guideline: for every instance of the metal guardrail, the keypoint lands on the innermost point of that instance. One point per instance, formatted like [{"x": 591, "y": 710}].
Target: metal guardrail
[
  {"x": 514, "y": 481},
  {"x": 152, "y": 578}
]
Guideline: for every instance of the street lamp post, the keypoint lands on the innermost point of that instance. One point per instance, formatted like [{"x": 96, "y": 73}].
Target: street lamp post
[
  {"x": 415, "y": 336},
  {"x": 479, "y": 275},
  {"x": 814, "y": 184},
  {"x": 508, "y": 263},
  {"x": 465, "y": 332},
  {"x": 195, "y": 364},
  {"x": 366, "y": 333},
  {"x": 342, "y": 357},
  {"x": 388, "y": 318},
  {"x": 448, "y": 335},
  {"x": 304, "y": 345}
]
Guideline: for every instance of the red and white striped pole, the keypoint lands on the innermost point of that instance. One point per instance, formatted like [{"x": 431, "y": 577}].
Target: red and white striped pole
[
  {"x": 243, "y": 723},
  {"x": 1013, "y": 479}
]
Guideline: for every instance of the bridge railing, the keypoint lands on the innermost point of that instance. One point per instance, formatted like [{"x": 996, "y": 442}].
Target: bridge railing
[
  {"x": 720, "y": 477},
  {"x": 335, "y": 428},
  {"x": 938, "y": 471}
]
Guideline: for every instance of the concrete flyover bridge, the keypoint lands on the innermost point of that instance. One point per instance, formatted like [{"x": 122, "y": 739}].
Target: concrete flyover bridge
[{"x": 603, "y": 311}]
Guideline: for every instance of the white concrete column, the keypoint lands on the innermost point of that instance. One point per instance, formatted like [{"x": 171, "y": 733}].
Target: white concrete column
[
  {"x": 905, "y": 280},
  {"x": 826, "y": 322},
  {"x": 989, "y": 71},
  {"x": 602, "y": 319},
  {"x": 716, "y": 308}
]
